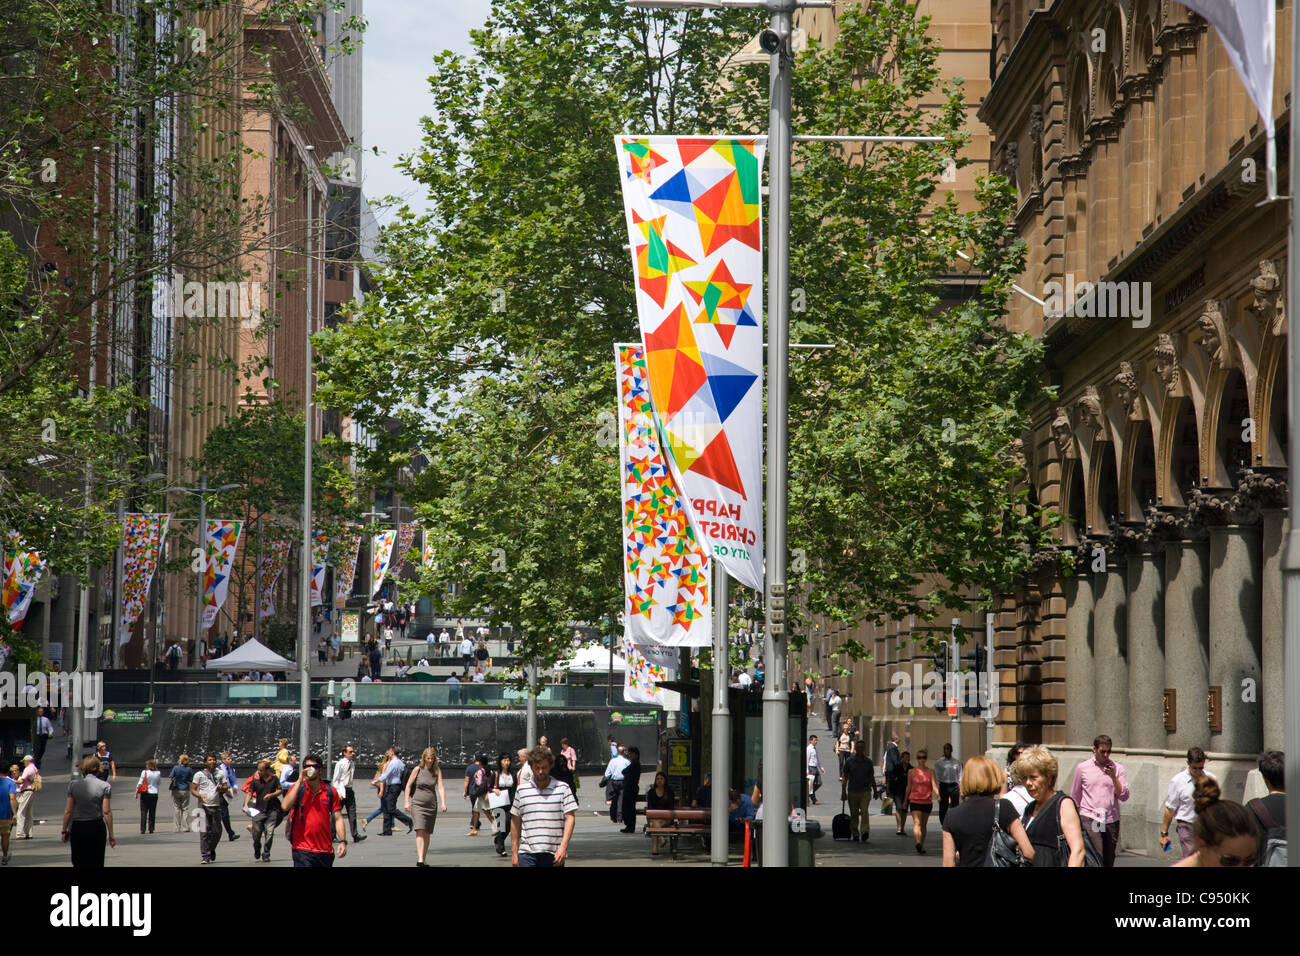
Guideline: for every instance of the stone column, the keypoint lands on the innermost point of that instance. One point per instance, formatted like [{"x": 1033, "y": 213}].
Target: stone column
[
  {"x": 1110, "y": 652},
  {"x": 1273, "y": 534},
  {"x": 1187, "y": 640},
  {"x": 1235, "y": 603},
  {"x": 1146, "y": 643},
  {"x": 1080, "y": 677}
]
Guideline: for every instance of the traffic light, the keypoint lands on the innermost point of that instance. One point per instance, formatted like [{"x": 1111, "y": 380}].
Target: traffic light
[
  {"x": 941, "y": 668},
  {"x": 345, "y": 710},
  {"x": 318, "y": 709},
  {"x": 978, "y": 663}
]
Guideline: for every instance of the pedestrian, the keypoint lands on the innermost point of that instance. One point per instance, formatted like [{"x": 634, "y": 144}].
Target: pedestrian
[
  {"x": 857, "y": 782},
  {"x": 613, "y": 784},
  {"x": 969, "y": 827},
  {"x": 1098, "y": 788},
  {"x": 394, "y": 774},
  {"x": 542, "y": 816},
  {"x": 106, "y": 763},
  {"x": 343, "y": 773},
  {"x": 922, "y": 791},
  {"x": 444, "y": 641},
  {"x": 28, "y": 785},
  {"x": 571, "y": 756},
  {"x": 146, "y": 791},
  {"x": 1015, "y": 790},
  {"x": 227, "y": 769},
  {"x": 377, "y": 782},
  {"x": 613, "y": 746},
  {"x": 430, "y": 641},
  {"x": 1270, "y": 811},
  {"x": 262, "y": 795},
  {"x": 1180, "y": 802},
  {"x": 88, "y": 817},
  {"x": 808, "y": 692},
  {"x": 289, "y": 773},
  {"x": 631, "y": 788},
  {"x": 467, "y": 653},
  {"x": 844, "y": 744},
  {"x": 281, "y": 757},
  {"x": 209, "y": 784},
  {"x": 659, "y": 797},
  {"x": 813, "y": 766},
  {"x": 898, "y": 788},
  {"x": 181, "y": 775},
  {"x": 500, "y": 800},
  {"x": 44, "y": 731},
  {"x": 827, "y": 694},
  {"x": 835, "y": 702},
  {"x": 1053, "y": 818},
  {"x": 1225, "y": 833},
  {"x": 424, "y": 794},
  {"x": 525, "y": 771},
  {"x": 562, "y": 771},
  {"x": 315, "y": 818},
  {"x": 8, "y": 812},
  {"x": 173, "y": 656},
  {"x": 947, "y": 772},
  {"x": 478, "y": 781}
]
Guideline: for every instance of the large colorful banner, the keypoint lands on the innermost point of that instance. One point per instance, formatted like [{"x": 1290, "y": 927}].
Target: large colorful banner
[
  {"x": 220, "y": 541},
  {"x": 274, "y": 558},
  {"x": 648, "y": 666},
  {"x": 22, "y": 569},
  {"x": 346, "y": 550},
  {"x": 694, "y": 219},
  {"x": 320, "y": 552},
  {"x": 665, "y": 570},
  {"x": 380, "y": 558},
  {"x": 143, "y": 537},
  {"x": 405, "y": 541}
]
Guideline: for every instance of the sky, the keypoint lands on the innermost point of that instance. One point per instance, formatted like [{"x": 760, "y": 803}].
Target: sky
[{"x": 401, "y": 40}]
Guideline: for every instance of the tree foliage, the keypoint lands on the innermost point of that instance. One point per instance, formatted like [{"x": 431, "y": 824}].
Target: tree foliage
[{"x": 495, "y": 315}]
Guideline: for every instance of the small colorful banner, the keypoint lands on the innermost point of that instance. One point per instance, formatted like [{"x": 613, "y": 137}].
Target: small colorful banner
[
  {"x": 647, "y": 667},
  {"x": 220, "y": 542},
  {"x": 274, "y": 558},
  {"x": 143, "y": 537},
  {"x": 405, "y": 541},
  {"x": 694, "y": 220},
  {"x": 22, "y": 570},
  {"x": 428, "y": 555},
  {"x": 320, "y": 552},
  {"x": 666, "y": 583},
  {"x": 345, "y": 551},
  {"x": 380, "y": 559},
  {"x": 350, "y": 627}
]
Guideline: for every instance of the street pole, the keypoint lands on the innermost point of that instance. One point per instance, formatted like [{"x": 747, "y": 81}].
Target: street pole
[
  {"x": 257, "y": 582},
  {"x": 530, "y": 729},
  {"x": 203, "y": 563},
  {"x": 720, "y": 774},
  {"x": 1291, "y": 559},
  {"x": 304, "y": 584},
  {"x": 993, "y": 690},
  {"x": 329, "y": 731},
  {"x": 119, "y": 574},
  {"x": 776, "y": 699},
  {"x": 954, "y": 676}
]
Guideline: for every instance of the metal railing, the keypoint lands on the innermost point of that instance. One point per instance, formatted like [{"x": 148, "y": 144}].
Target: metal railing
[{"x": 118, "y": 695}]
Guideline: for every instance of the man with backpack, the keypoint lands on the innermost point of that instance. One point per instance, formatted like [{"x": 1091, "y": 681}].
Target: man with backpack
[
  {"x": 1180, "y": 801},
  {"x": 1270, "y": 811},
  {"x": 315, "y": 817}
]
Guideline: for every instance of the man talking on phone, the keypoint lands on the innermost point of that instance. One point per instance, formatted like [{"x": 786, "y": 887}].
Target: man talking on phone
[
  {"x": 310, "y": 806},
  {"x": 1099, "y": 786}
]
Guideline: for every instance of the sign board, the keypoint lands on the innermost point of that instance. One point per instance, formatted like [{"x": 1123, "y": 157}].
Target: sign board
[
  {"x": 634, "y": 720},
  {"x": 679, "y": 758},
  {"x": 127, "y": 716},
  {"x": 350, "y": 624}
]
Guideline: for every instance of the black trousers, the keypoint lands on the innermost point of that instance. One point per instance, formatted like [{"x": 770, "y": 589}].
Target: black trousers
[
  {"x": 148, "y": 810},
  {"x": 210, "y": 837},
  {"x": 264, "y": 825},
  {"x": 629, "y": 807},
  {"x": 225, "y": 817},
  {"x": 615, "y": 800},
  {"x": 350, "y": 810},
  {"x": 949, "y": 796},
  {"x": 38, "y": 750},
  {"x": 391, "y": 812},
  {"x": 87, "y": 839}
]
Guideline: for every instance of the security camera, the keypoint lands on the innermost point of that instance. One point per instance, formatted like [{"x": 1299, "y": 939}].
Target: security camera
[{"x": 770, "y": 41}]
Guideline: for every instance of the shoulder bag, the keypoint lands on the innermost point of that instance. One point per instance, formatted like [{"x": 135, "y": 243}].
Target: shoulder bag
[{"x": 1003, "y": 850}]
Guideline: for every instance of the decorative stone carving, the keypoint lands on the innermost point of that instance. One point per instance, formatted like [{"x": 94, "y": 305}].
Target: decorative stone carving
[
  {"x": 1124, "y": 387},
  {"x": 1010, "y": 164},
  {"x": 1063, "y": 435},
  {"x": 1088, "y": 411},
  {"x": 1269, "y": 308},
  {"x": 1258, "y": 490},
  {"x": 1036, "y": 141},
  {"x": 1165, "y": 359},
  {"x": 1017, "y": 451},
  {"x": 1163, "y": 524},
  {"x": 1213, "y": 321}
]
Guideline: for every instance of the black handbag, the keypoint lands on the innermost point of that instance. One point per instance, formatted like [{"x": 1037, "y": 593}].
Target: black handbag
[{"x": 1003, "y": 850}]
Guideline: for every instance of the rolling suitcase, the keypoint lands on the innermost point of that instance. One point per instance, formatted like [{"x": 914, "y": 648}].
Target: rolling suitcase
[{"x": 840, "y": 829}]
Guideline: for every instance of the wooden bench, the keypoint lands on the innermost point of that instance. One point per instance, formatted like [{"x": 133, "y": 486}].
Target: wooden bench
[{"x": 670, "y": 824}]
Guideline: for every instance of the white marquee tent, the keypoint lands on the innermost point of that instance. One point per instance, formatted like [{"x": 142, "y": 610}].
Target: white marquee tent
[{"x": 252, "y": 655}]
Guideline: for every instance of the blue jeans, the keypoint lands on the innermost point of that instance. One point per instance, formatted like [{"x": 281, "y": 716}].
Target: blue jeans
[{"x": 536, "y": 859}]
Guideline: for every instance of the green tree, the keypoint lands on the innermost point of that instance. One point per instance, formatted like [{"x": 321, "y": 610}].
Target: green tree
[{"x": 496, "y": 314}]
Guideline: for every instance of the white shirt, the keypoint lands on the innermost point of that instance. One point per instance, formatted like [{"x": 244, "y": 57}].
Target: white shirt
[
  {"x": 614, "y": 769},
  {"x": 445, "y": 637},
  {"x": 343, "y": 777},
  {"x": 429, "y": 639},
  {"x": 813, "y": 761},
  {"x": 1019, "y": 797},
  {"x": 1181, "y": 796},
  {"x": 207, "y": 788},
  {"x": 479, "y": 677},
  {"x": 44, "y": 727},
  {"x": 947, "y": 770},
  {"x": 466, "y": 647},
  {"x": 744, "y": 680}
]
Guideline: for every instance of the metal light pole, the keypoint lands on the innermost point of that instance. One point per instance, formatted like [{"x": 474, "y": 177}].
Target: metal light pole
[
  {"x": 721, "y": 769},
  {"x": 304, "y": 585},
  {"x": 1291, "y": 557},
  {"x": 530, "y": 728},
  {"x": 954, "y": 678},
  {"x": 203, "y": 564}
]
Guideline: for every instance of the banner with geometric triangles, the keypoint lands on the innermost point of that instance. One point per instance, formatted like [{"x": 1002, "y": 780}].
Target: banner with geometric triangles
[{"x": 694, "y": 218}]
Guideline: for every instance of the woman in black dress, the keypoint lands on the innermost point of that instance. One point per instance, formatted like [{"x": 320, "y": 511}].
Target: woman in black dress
[{"x": 659, "y": 797}]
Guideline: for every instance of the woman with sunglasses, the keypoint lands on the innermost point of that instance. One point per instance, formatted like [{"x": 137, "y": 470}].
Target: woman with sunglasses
[
  {"x": 1225, "y": 833},
  {"x": 922, "y": 792}
]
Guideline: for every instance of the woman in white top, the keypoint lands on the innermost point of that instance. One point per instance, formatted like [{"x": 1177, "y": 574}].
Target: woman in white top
[
  {"x": 146, "y": 791},
  {"x": 499, "y": 801}
]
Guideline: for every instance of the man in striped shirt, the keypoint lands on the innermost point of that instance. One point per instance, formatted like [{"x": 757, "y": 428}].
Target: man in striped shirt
[{"x": 542, "y": 816}]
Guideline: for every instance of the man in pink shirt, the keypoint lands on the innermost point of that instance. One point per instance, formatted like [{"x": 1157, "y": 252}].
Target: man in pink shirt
[{"x": 1099, "y": 785}]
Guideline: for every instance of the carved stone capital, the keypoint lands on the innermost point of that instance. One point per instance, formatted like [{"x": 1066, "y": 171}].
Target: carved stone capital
[
  {"x": 1063, "y": 435},
  {"x": 1269, "y": 305},
  {"x": 1088, "y": 411},
  {"x": 1165, "y": 361},
  {"x": 1213, "y": 321},
  {"x": 1124, "y": 388},
  {"x": 1258, "y": 491},
  {"x": 1163, "y": 525}
]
